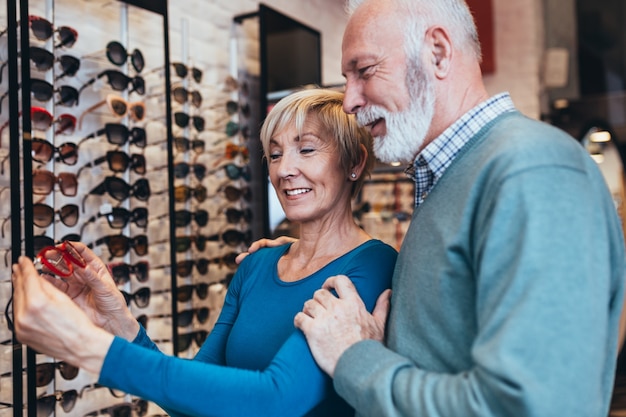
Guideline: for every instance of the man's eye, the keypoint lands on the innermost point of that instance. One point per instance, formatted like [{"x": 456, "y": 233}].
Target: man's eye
[{"x": 366, "y": 71}]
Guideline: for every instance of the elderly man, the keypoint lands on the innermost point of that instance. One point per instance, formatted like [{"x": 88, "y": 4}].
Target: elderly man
[{"x": 509, "y": 284}]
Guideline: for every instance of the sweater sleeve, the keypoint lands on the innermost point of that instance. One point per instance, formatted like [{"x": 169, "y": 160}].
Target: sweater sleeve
[
  {"x": 290, "y": 386},
  {"x": 547, "y": 258}
]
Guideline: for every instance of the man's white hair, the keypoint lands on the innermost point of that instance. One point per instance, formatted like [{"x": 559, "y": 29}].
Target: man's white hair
[{"x": 417, "y": 15}]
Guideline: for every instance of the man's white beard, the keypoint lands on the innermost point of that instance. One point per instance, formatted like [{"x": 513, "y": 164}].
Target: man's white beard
[{"x": 406, "y": 130}]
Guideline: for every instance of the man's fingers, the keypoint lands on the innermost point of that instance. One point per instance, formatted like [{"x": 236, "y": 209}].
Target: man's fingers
[
  {"x": 381, "y": 309},
  {"x": 342, "y": 285},
  {"x": 302, "y": 322}
]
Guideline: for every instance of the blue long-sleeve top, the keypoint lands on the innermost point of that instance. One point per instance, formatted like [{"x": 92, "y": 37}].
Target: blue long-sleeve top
[{"x": 254, "y": 362}]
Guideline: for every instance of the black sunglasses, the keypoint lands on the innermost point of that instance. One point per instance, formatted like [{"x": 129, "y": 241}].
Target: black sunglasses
[
  {"x": 183, "y": 243},
  {"x": 46, "y": 403},
  {"x": 182, "y": 120},
  {"x": 119, "y": 217},
  {"x": 183, "y": 218},
  {"x": 43, "y": 30},
  {"x": 120, "y": 190},
  {"x": 184, "y": 292},
  {"x": 116, "y": 53},
  {"x": 119, "y": 134},
  {"x": 185, "y": 339},
  {"x": 182, "y": 169},
  {"x": 44, "y": 372},
  {"x": 234, "y": 215},
  {"x": 119, "y": 161},
  {"x": 44, "y": 91},
  {"x": 121, "y": 271},
  {"x": 182, "y": 70},
  {"x": 44, "y": 60},
  {"x": 120, "y": 245},
  {"x": 119, "y": 81},
  {"x": 139, "y": 406},
  {"x": 186, "y": 316},
  {"x": 141, "y": 297},
  {"x": 234, "y": 172}
]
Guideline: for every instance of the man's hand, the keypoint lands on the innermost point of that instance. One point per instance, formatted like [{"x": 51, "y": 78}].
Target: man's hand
[
  {"x": 264, "y": 243},
  {"x": 332, "y": 323}
]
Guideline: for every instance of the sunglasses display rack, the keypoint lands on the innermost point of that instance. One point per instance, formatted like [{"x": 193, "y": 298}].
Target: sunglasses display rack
[
  {"x": 77, "y": 124},
  {"x": 106, "y": 140}
]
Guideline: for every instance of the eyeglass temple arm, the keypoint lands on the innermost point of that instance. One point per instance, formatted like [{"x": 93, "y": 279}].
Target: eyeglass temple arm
[
  {"x": 91, "y": 136},
  {"x": 90, "y": 109},
  {"x": 91, "y": 164}
]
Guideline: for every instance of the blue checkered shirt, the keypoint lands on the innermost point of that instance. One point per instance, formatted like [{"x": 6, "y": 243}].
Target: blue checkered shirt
[{"x": 433, "y": 160}]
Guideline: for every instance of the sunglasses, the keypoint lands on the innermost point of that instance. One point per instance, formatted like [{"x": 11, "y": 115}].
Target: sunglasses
[
  {"x": 43, "y": 30},
  {"x": 185, "y": 268},
  {"x": 43, "y": 60},
  {"x": 59, "y": 260},
  {"x": 47, "y": 403},
  {"x": 183, "y": 193},
  {"x": 44, "y": 372},
  {"x": 42, "y": 119},
  {"x": 234, "y": 215},
  {"x": 119, "y": 81},
  {"x": 139, "y": 406},
  {"x": 116, "y": 53},
  {"x": 121, "y": 271},
  {"x": 232, "y": 150},
  {"x": 184, "y": 144},
  {"x": 119, "y": 217},
  {"x": 44, "y": 182},
  {"x": 233, "y": 193},
  {"x": 43, "y": 151},
  {"x": 185, "y": 339},
  {"x": 119, "y": 134},
  {"x": 185, "y": 292},
  {"x": 182, "y": 169},
  {"x": 232, "y": 237},
  {"x": 182, "y": 70},
  {"x": 182, "y": 120},
  {"x": 119, "y": 107},
  {"x": 141, "y": 297},
  {"x": 235, "y": 172},
  {"x": 181, "y": 95},
  {"x": 233, "y": 127},
  {"x": 183, "y": 243},
  {"x": 43, "y": 215},
  {"x": 120, "y": 190},
  {"x": 119, "y": 161},
  {"x": 183, "y": 218},
  {"x": 44, "y": 91},
  {"x": 186, "y": 316},
  {"x": 120, "y": 245}
]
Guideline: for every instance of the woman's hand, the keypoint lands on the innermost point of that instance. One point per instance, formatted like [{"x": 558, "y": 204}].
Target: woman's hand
[
  {"x": 92, "y": 288},
  {"x": 47, "y": 320}
]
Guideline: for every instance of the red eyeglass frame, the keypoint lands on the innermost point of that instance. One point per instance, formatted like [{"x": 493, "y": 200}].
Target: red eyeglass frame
[{"x": 69, "y": 254}]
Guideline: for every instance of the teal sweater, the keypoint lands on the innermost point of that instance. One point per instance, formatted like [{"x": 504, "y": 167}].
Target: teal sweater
[
  {"x": 507, "y": 291},
  {"x": 254, "y": 362}
]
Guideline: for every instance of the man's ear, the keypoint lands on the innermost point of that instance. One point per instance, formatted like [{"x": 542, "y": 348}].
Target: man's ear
[{"x": 440, "y": 49}]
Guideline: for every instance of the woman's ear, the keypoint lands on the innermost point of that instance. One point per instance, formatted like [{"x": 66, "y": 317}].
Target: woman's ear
[{"x": 357, "y": 170}]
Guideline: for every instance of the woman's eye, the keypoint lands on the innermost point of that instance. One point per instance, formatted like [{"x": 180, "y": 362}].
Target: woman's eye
[
  {"x": 307, "y": 150},
  {"x": 274, "y": 156}
]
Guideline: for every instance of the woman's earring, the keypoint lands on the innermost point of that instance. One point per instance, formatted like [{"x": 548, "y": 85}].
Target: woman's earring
[{"x": 353, "y": 176}]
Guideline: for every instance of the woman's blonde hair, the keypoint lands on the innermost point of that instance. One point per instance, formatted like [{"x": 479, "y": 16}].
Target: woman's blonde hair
[{"x": 327, "y": 106}]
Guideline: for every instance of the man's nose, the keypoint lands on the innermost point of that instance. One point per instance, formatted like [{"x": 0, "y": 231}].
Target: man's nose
[{"x": 353, "y": 98}]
